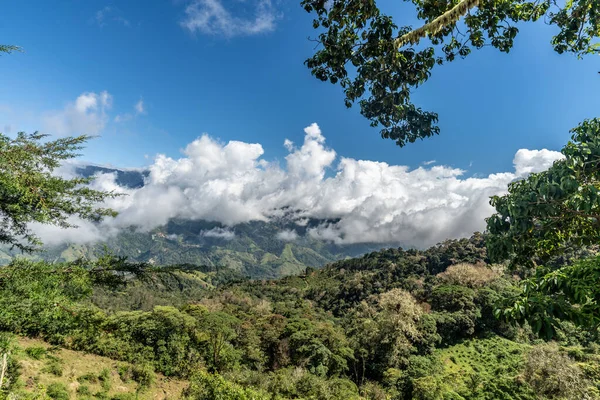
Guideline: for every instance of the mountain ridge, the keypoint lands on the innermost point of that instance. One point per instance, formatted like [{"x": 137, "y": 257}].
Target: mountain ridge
[{"x": 251, "y": 249}]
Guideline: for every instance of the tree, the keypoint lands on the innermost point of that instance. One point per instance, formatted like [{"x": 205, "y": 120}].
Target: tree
[
  {"x": 384, "y": 332},
  {"x": 570, "y": 293},
  {"x": 318, "y": 346},
  {"x": 553, "y": 211},
  {"x": 547, "y": 216},
  {"x": 553, "y": 374},
  {"x": 31, "y": 192},
  {"x": 376, "y": 63},
  {"x": 221, "y": 329}
]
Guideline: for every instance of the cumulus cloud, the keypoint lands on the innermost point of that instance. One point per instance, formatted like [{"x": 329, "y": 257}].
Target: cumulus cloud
[
  {"x": 220, "y": 233},
  {"x": 364, "y": 201},
  {"x": 287, "y": 235},
  {"x": 529, "y": 161},
  {"x": 87, "y": 115},
  {"x": 213, "y": 17}
]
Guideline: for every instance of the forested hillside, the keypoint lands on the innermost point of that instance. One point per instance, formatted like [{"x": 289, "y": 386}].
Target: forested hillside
[{"x": 393, "y": 324}]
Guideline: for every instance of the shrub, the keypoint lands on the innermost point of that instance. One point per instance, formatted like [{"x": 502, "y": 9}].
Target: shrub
[
  {"x": 123, "y": 396},
  {"x": 84, "y": 390},
  {"x": 57, "y": 391},
  {"x": 205, "y": 386},
  {"x": 143, "y": 375},
  {"x": 36, "y": 352},
  {"x": 104, "y": 379},
  {"x": 54, "y": 366},
  {"x": 124, "y": 371},
  {"x": 89, "y": 377}
]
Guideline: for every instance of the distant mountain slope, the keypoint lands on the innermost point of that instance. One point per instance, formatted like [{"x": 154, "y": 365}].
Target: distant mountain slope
[
  {"x": 251, "y": 249},
  {"x": 128, "y": 178}
]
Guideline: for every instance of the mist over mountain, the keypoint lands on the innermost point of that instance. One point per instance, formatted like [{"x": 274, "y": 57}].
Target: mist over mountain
[
  {"x": 338, "y": 199},
  {"x": 258, "y": 249},
  {"x": 223, "y": 204},
  {"x": 132, "y": 179}
]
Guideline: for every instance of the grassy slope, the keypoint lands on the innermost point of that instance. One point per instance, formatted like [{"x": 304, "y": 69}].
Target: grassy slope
[{"x": 76, "y": 364}]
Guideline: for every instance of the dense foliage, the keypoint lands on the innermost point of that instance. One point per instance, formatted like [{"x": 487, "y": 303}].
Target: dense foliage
[
  {"x": 375, "y": 60},
  {"x": 395, "y": 324},
  {"x": 542, "y": 223}
]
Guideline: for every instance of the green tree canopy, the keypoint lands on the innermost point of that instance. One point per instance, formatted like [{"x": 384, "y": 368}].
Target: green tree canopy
[
  {"x": 554, "y": 211},
  {"x": 30, "y": 191},
  {"x": 547, "y": 216},
  {"x": 377, "y": 63}
]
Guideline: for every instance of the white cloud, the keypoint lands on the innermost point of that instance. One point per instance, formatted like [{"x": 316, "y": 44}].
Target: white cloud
[
  {"x": 107, "y": 14},
  {"x": 243, "y": 18},
  {"x": 287, "y": 235},
  {"x": 528, "y": 161},
  {"x": 139, "y": 109},
  {"x": 371, "y": 201},
  {"x": 429, "y": 162},
  {"x": 87, "y": 115},
  {"x": 220, "y": 233}
]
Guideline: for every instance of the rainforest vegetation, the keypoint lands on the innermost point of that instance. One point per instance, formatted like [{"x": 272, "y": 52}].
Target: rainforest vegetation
[
  {"x": 511, "y": 313},
  {"x": 394, "y": 324}
]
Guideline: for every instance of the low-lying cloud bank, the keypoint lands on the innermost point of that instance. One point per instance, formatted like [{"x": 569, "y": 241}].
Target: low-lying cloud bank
[{"x": 371, "y": 201}]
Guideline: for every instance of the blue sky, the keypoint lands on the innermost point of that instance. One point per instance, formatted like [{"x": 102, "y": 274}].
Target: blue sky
[{"x": 239, "y": 84}]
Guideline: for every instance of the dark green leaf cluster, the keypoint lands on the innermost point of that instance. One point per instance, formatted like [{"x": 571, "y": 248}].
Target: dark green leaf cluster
[
  {"x": 7, "y": 48},
  {"x": 373, "y": 58},
  {"x": 570, "y": 293},
  {"x": 547, "y": 217},
  {"x": 550, "y": 212}
]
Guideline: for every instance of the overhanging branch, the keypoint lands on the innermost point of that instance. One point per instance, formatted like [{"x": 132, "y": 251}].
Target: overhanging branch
[{"x": 449, "y": 17}]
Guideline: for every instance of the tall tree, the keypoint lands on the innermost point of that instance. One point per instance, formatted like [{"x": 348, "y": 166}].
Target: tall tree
[
  {"x": 30, "y": 191},
  {"x": 378, "y": 63}
]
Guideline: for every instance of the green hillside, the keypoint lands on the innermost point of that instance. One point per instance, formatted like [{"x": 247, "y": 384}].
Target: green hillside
[{"x": 391, "y": 325}]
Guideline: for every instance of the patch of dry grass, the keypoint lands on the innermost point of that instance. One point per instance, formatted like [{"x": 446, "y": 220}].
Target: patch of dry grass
[{"x": 76, "y": 365}]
